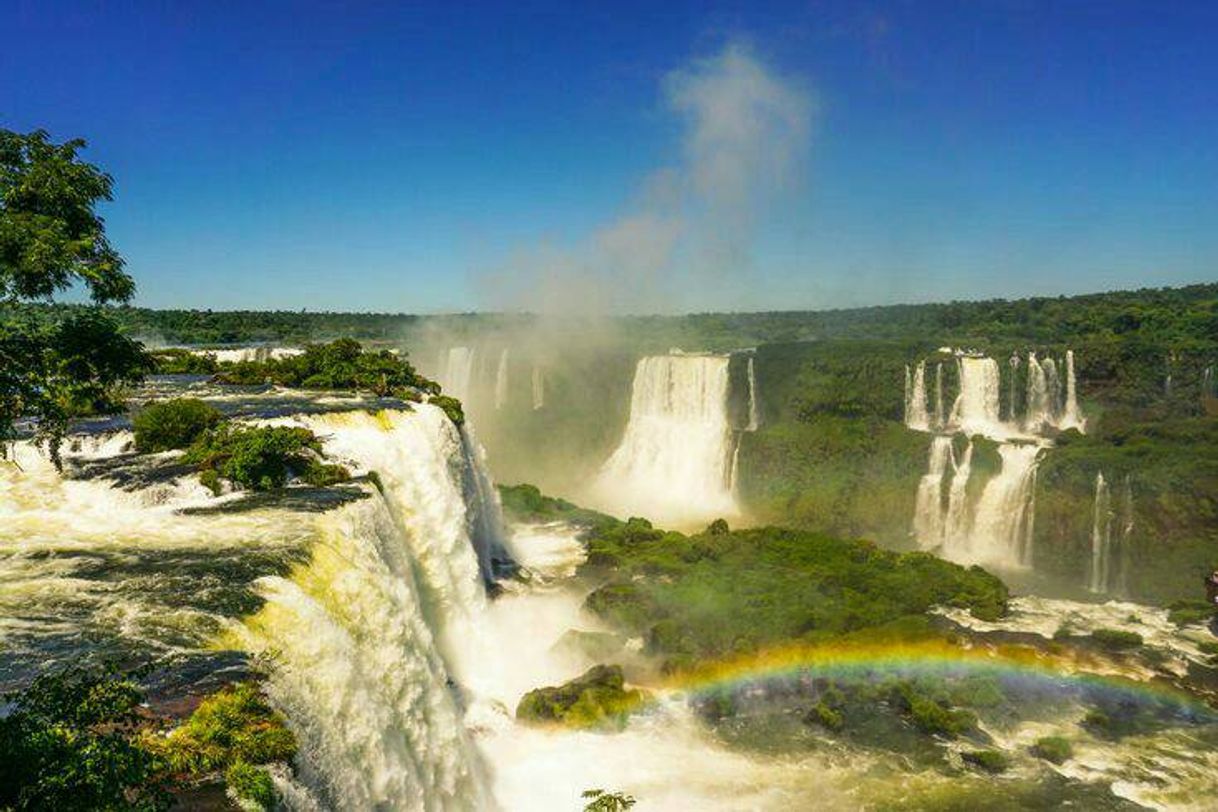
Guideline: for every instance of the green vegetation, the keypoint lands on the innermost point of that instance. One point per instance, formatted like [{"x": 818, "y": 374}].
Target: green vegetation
[
  {"x": 1116, "y": 639},
  {"x": 176, "y": 361},
  {"x": 716, "y": 594},
  {"x": 825, "y": 716},
  {"x": 261, "y": 458},
  {"x": 451, "y": 406},
  {"x": 991, "y": 761},
  {"x": 251, "y": 784},
  {"x": 339, "y": 365},
  {"x": 1185, "y": 613},
  {"x": 234, "y": 725},
  {"x": 596, "y": 699},
  {"x": 525, "y": 503},
  {"x": 67, "y": 744},
  {"x": 1056, "y": 749},
  {"x": 172, "y": 424},
  {"x": 934, "y": 716},
  {"x": 601, "y": 801},
  {"x": 55, "y": 365}
]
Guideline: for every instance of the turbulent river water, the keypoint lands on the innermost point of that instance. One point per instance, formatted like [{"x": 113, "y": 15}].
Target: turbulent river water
[{"x": 368, "y": 609}]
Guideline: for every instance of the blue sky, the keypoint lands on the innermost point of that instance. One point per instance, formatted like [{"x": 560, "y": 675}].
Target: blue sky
[{"x": 393, "y": 156}]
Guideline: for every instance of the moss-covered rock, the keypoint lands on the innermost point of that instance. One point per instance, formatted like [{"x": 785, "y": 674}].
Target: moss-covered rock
[
  {"x": 1056, "y": 749},
  {"x": 990, "y": 761},
  {"x": 596, "y": 699}
]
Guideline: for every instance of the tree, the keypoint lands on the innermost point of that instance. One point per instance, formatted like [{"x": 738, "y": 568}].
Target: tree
[
  {"x": 67, "y": 743},
  {"x": 51, "y": 239}
]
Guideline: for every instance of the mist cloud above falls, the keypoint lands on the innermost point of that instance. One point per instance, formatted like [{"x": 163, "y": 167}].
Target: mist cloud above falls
[{"x": 685, "y": 239}]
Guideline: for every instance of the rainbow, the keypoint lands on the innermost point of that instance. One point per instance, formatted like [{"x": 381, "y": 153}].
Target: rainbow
[{"x": 935, "y": 658}]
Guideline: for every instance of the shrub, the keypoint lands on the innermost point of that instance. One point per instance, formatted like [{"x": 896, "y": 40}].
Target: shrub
[
  {"x": 1186, "y": 613},
  {"x": 171, "y": 424},
  {"x": 1056, "y": 749},
  {"x": 991, "y": 761},
  {"x": 451, "y": 406},
  {"x": 251, "y": 784},
  {"x": 825, "y": 716},
  {"x": 183, "y": 362},
  {"x": 262, "y": 458},
  {"x": 233, "y": 725},
  {"x": 1116, "y": 639}
]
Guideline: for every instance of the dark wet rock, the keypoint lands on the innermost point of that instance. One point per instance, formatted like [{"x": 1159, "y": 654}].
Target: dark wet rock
[{"x": 302, "y": 498}]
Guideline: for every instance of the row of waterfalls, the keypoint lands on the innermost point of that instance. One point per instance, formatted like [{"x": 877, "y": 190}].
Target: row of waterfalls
[
  {"x": 991, "y": 523},
  {"x": 457, "y": 371},
  {"x": 1050, "y": 402}
]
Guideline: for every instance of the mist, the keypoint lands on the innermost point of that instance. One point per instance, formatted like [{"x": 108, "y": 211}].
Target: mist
[{"x": 684, "y": 240}]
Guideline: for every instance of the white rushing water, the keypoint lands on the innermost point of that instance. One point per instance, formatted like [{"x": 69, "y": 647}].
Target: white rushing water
[
  {"x": 239, "y": 354},
  {"x": 930, "y": 516},
  {"x": 539, "y": 387},
  {"x": 674, "y": 462},
  {"x": 1101, "y": 537},
  {"x": 501, "y": 380},
  {"x": 993, "y": 525},
  {"x": 1002, "y": 523},
  {"x": 754, "y": 408},
  {"x": 976, "y": 410},
  {"x": 458, "y": 372}
]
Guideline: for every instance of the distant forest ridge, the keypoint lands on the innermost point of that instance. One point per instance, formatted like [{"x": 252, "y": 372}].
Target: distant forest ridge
[{"x": 1184, "y": 317}]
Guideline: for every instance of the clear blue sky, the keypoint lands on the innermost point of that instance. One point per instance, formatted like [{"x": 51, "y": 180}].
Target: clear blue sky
[{"x": 382, "y": 156}]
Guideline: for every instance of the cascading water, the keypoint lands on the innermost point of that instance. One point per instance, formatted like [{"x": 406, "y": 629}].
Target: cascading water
[
  {"x": 976, "y": 410},
  {"x": 916, "y": 416},
  {"x": 929, "y": 515},
  {"x": 1001, "y": 532},
  {"x": 754, "y": 411},
  {"x": 1101, "y": 538},
  {"x": 675, "y": 459},
  {"x": 241, "y": 354},
  {"x": 458, "y": 372},
  {"x": 1071, "y": 417},
  {"x": 539, "y": 388},
  {"x": 357, "y": 670},
  {"x": 995, "y": 527},
  {"x": 940, "y": 417},
  {"x": 501, "y": 380}
]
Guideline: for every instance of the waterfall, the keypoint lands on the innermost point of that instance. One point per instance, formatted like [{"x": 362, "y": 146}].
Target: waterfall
[
  {"x": 976, "y": 410},
  {"x": 939, "y": 416},
  {"x": 929, "y": 515},
  {"x": 674, "y": 460},
  {"x": 1038, "y": 411},
  {"x": 1071, "y": 417},
  {"x": 358, "y": 672},
  {"x": 501, "y": 380},
  {"x": 754, "y": 417},
  {"x": 1099, "y": 578},
  {"x": 458, "y": 372},
  {"x": 957, "y": 521},
  {"x": 539, "y": 387},
  {"x": 915, "y": 399},
  {"x": 388, "y": 604},
  {"x": 1013, "y": 363},
  {"x": 1001, "y": 532}
]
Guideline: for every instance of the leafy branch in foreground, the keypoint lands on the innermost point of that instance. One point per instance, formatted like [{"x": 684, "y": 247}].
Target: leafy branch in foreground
[{"x": 603, "y": 801}]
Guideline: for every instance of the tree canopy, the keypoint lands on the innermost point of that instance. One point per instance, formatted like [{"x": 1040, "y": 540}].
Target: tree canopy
[{"x": 51, "y": 239}]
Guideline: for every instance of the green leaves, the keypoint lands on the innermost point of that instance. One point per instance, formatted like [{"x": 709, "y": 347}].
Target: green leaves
[
  {"x": 66, "y": 745},
  {"x": 50, "y": 234}
]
